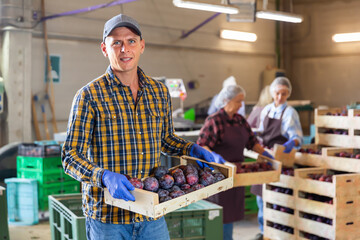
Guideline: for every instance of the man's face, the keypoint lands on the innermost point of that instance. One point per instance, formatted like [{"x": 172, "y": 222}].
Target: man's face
[{"x": 123, "y": 48}]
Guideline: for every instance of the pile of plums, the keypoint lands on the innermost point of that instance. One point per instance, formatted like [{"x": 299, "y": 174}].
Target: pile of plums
[
  {"x": 281, "y": 208},
  {"x": 336, "y": 131},
  {"x": 281, "y": 227},
  {"x": 318, "y": 198},
  {"x": 313, "y": 237},
  {"x": 344, "y": 113},
  {"x": 287, "y": 191},
  {"x": 287, "y": 171},
  {"x": 169, "y": 184},
  {"x": 253, "y": 167},
  {"x": 310, "y": 151},
  {"x": 347, "y": 155},
  {"x": 321, "y": 177},
  {"x": 317, "y": 218}
]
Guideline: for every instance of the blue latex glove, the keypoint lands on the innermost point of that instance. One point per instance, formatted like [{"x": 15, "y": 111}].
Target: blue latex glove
[
  {"x": 289, "y": 145},
  {"x": 199, "y": 152},
  {"x": 218, "y": 158},
  {"x": 118, "y": 185},
  {"x": 266, "y": 154}
]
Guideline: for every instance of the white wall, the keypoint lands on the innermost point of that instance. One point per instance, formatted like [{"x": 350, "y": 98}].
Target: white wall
[
  {"x": 202, "y": 56},
  {"x": 324, "y": 71}
]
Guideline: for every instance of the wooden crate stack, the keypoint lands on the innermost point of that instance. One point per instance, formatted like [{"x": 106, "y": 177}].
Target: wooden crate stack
[{"x": 322, "y": 210}]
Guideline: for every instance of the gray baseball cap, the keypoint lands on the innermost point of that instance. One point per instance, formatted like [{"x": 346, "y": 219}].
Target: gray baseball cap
[{"x": 121, "y": 20}]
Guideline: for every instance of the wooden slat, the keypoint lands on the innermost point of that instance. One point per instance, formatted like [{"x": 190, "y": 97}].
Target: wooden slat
[
  {"x": 278, "y": 198},
  {"x": 274, "y": 234},
  {"x": 287, "y": 159},
  {"x": 278, "y": 216},
  {"x": 253, "y": 178}
]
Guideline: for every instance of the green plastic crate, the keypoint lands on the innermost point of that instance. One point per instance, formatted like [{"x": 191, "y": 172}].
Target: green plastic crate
[
  {"x": 67, "y": 221},
  {"x": 200, "y": 220},
  {"x": 49, "y": 176},
  {"x": 4, "y": 229},
  {"x": 46, "y": 190},
  {"x": 38, "y": 163}
]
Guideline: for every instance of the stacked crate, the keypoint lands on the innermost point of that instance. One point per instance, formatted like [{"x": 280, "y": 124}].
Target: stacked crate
[
  {"x": 279, "y": 207},
  {"x": 4, "y": 230},
  {"x": 43, "y": 163},
  {"x": 334, "y": 127},
  {"x": 327, "y": 208},
  {"x": 323, "y": 209}
]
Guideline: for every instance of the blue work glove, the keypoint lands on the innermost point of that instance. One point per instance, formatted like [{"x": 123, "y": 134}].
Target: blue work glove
[
  {"x": 218, "y": 158},
  {"x": 289, "y": 145},
  {"x": 199, "y": 152},
  {"x": 118, "y": 185},
  {"x": 266, "y": 154}
]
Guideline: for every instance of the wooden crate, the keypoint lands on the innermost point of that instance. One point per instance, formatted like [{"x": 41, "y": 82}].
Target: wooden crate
[
  {"x": 278, "y": 216},
  {"x": 287, "y": 159},
  {"x": 341, "y": 229},
  {"x": 282, "y": 199},
  {"x": 253, "y": 178},
  {"x": 342, "y": 185},
  {"x": 310, "y": 159},
  {"x": 147, "y": 203},
  {"x": 275, "y": 234},
  {"x": 351, "y": 123},
  {"x": 342, "y": 207},
  {"x": 341, "y": 163}
]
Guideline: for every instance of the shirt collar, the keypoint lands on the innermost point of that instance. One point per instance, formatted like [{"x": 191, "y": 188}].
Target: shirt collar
[
  {"x": 226, "y": 116},
  {"x": 280, "y": 107},
  {"x": 113, "y": 79}
]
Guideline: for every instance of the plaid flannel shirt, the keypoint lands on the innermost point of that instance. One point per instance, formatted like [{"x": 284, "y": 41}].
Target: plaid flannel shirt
[
  {"x": 108, "y": 129},
  {"x": 213, "y": 131}
]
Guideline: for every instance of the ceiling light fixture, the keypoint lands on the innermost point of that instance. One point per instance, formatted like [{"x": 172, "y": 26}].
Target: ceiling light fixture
[
  {"x": 346, "y": 37},
  {"x": 280, "y": 16},
  {"x": 221, "y": 8},
  {"x": 237, "y": 35}
]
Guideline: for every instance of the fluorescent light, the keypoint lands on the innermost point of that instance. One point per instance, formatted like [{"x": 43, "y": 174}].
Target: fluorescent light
[
  {"x": 279, "y": 16},
  {"x": 236, "y": 35},
  {"x": 346, "y": 37},
  {"x": 206, "y": 6}
]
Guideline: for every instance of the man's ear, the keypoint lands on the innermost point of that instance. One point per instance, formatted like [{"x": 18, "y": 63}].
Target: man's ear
[
  {"x": 142, "y": 42},
  {"x": 103, "y": 49}
]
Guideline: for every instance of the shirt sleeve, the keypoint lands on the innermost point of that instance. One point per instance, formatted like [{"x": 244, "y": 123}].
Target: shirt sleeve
[
  {"x": 171, "y": 143},
  {"x": 79, "y": 132},
  {"x": 291, "y": 125},
  {"x": 209, "y": 133}
]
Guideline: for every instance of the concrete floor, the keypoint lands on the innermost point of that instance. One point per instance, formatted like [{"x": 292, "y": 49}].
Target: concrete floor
[{"x": 243, "y": 230}]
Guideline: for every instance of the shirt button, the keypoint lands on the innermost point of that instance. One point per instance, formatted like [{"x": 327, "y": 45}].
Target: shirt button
[
  {"x": 142, "y": 153},
  {"x": 114, "y": 116},
  {"x": 140, "y": 133},
  {"x": 142, "y": 171}
]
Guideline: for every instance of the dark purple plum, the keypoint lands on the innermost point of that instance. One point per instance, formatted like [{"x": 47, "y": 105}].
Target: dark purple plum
[
  {"x": 219, "y": 177},
  {"x": 151, "y": 184},
  {"x": 163, "y": 192},
  {"x": 175, "y": 194},
  {"x": 192, "y": 178},
  {"x": 136, "y": 183},
  {"x": 160, "y": 171},
  {"x": 179, "y": 178},
  {"x": 207, "y": 179},
  {"x": 166, "y": 181},
  {"x": 164, "y": 199}
]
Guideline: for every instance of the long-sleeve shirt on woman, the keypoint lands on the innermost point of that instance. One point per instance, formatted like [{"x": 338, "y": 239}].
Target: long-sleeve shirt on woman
[
  {"x": 108, "y": 129},
  {"x": 290, "y": 124}
]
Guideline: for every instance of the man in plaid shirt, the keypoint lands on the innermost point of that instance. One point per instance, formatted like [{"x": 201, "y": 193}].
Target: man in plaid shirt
[{"x": 119, "y": 124}]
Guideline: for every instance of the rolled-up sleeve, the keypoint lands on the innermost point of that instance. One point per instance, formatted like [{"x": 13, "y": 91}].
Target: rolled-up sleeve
[
  {"x": 291, "y": 126},
  {"x": 78, "y": 139}
]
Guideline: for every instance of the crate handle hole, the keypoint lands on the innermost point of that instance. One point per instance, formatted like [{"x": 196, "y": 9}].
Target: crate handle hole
[
  {"x": 349, "y": 180},
  {"x": 349, "y": 202},
  {"x": 350, "y": 223}
]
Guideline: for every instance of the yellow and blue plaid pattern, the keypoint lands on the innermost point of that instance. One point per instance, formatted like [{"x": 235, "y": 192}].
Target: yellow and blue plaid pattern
[{"x": 108, "y": 129}]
